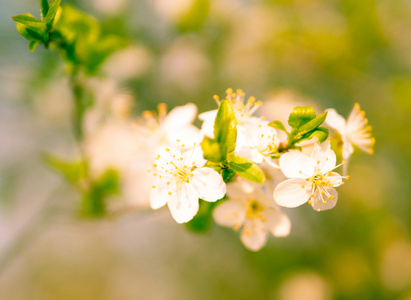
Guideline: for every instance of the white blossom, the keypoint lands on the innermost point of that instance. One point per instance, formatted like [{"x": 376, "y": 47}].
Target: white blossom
[
  {"x": 156, "y": 131},
  {"x": 180, "y": 179},
  {"x": 250, "y": 209},
  {"x": 261, "y": 142},
  {"x": 354, "y": 131},
  {"x": 312, "y": 179}
]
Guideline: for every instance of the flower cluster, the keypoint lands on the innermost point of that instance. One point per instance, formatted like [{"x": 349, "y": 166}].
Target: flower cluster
[{"x": 232, "y": 158}]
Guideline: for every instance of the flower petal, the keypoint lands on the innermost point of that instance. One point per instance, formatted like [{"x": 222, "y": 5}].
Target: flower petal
[
  {"x": 334, "y": 178},
  {"x": 335, "y": 121},
  {"x": 230, "y": 214},
  {"x": 183, "y": 204},
  {"x": 179, "y": 117},
  {"x": 324, "y": 157},
  {"x": 318, "y": 203},
  {"x": 277, "y": 222},
  {"x": 159, "y": 194},
  {"x": 296, "y": 165},
  {"x": 292, "y": 192},
  {"x": 254, "y": 234},
  {"x": 207, "y": 184}
]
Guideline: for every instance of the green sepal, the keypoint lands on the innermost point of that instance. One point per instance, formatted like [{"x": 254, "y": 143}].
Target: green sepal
[
  {"x": 301, "y": 115},
  {"x": 211, "y": 150},
  {"x": 246, "y": 169},
  {"x": 202, "y": 221},
  {"x": 225, "y": 128},
  {"x": 44, "y": 8}
]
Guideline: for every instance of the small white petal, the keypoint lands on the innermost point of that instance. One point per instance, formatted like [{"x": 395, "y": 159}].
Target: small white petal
[
  {"x": 318, "y": 203},
  {"x": 334, "y": 178},
  {"x": 179, "y": 117},
  {"x": 277, "y": 222},
  {"x": 188, "y": 135},
  {"x": 348, "y": 149},
  {"x": 159, "y": 195},
  {"x": 292, "y": 192},
  {"x": 183, "y": 204},
  {"x": 335, "y": 121},
  {"x": 324, "y": 157},
  {"x": 254, "y": 234},
  {"x": 230, "y": 214},
  {"x": 207, "y": 184},
  {"x": 297, "y": 165}
]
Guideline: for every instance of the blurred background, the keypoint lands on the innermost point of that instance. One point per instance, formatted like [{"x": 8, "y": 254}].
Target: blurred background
[{"x": 284, "y": 52}]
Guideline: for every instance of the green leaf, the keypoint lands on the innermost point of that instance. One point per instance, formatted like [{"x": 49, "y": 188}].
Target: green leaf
[
  {"x": 94, "y": 200},
  {"x": 246, "y": 169},
  {"x": 72, "y": 171},
  {"x": 321, "y": 133},
  {"x": 202, "y": 221},
  {"x": 33, "y": 45},
  {"x": 227, "y": 174},
  {"x": 225, "y": 128},
  {"x": 51, "y": 14},
  {"x": 44, "y": 8},
  {"x": 211, "y": 150},
  {"x": 36, "y": 35},
  {"x": 27, "y": 19},
  {"x": 311, "y": 125},
  {"x": 278, "y": 125},
  {"x": 301, "y": 115},
  {"x": 22, "y": 29}
]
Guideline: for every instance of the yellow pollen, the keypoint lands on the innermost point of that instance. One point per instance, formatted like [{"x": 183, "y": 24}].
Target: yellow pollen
[
  {"x": 331, "y": 197},
  {"x": 148, "y": 170},
  {"x": 310, "y": 202},
  {"x": 168, "y": 183},
  {"x": 155, "y": 174},
  {"x": 303, "y": 186},
  {"x": 178, "y": 140},
  {"x": 347, "y": 177},
  {"x": 167, "y": 149},
  {"x": 325, "y": 202},
  {"x": 300, "y": 171},
  {"x": 229, "y": 90},
  {"x": 155, "y": 165},
  {"x": 170, "y": 193}
]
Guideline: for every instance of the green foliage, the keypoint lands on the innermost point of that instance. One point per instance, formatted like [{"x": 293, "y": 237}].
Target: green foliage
[
  {"x": 79, "y": 37},
  {"x": 72, "y": 171},
  {"x": 194, "y": 19},
  {"x": 202, "y": 221},
  {"x": 51, "y": 13},
  {"x": 305, "y": 125},
  {"x": 220, "y": 150},
  {"x": 211, "y": 150},
  {"x": 225, "y": 134},
  {"x": 44, "y": 8},
  {"x": 225, "y": 128},
  {"x": 94, "y": 191},
  {"x": 82, "y": 41},
  {"x": 246, "y": 169},
  {"x": 93, "y": 203}
]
